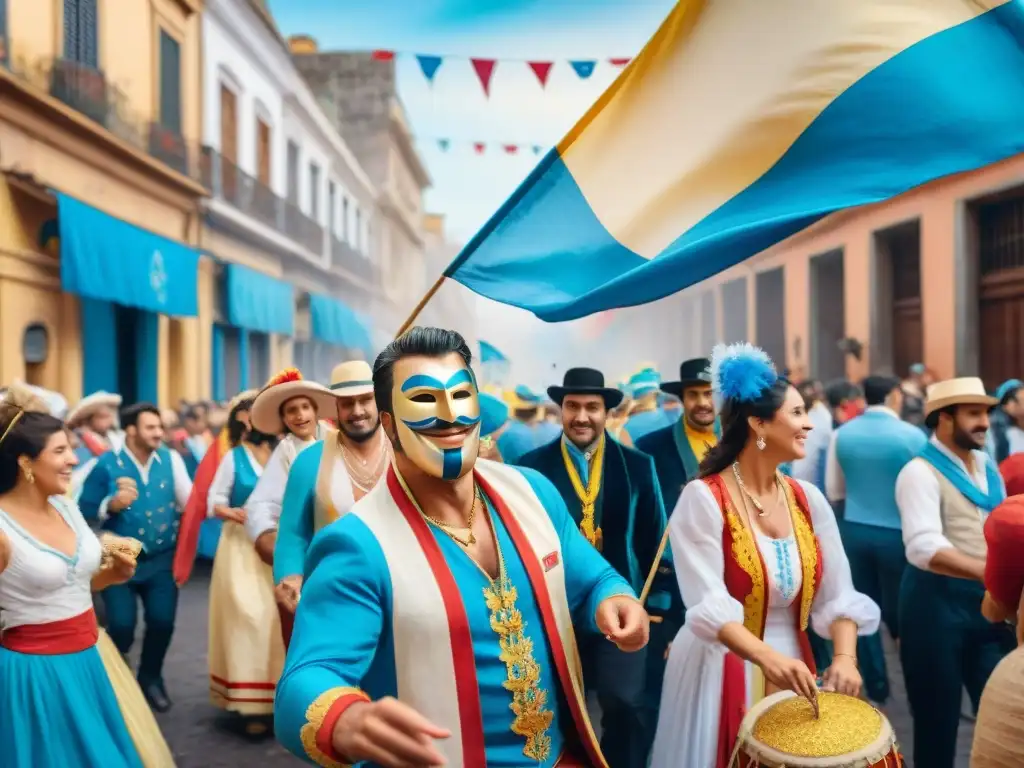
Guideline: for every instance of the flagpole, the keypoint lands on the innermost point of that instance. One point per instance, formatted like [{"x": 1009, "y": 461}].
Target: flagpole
[{"x": 419, "y": 307}]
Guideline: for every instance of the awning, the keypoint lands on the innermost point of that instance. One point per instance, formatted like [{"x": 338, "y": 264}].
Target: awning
[
  {"x": 105, "y": 258},
  {"x": 335, "y": 323},
  {"x": 258, "y": 302},
  {"x": 490, "y": 353}
]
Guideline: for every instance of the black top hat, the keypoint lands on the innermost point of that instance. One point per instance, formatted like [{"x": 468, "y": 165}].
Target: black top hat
[
  {"x": 691, "y": 373},
  {"x": 585, "y": 381}
]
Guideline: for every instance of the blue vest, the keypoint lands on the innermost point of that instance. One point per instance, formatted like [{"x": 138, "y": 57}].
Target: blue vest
[
  {"x": 871, "y": 451},
  {"x": 154, "y": 517}
]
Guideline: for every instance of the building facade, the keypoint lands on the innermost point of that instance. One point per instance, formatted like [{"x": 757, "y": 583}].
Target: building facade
[
  {"x": 935, "y": 276},
  {"x": 360, "y": 96},
  {"x": 289, "y": 221},
  {"x": 100, "y": 116},
  {"x": 453, "y": 305}
]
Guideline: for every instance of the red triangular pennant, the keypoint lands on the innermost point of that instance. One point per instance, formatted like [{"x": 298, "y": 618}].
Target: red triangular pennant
[
  {"x": 541, "y": 69},
  {"x": 511, "y": 149},
  {"x": 479, "y": 147},
  {"x": 382, "y": 55},
  {"x": 620, "y": 62},
  {"x": 484, "y": 69}
]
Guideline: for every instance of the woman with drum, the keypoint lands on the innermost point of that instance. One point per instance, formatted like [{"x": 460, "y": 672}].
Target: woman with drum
[{"x": 759, "y": 559}]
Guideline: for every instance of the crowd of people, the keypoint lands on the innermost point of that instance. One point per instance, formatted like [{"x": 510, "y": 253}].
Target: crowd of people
[{"x": 410, "y": 569}]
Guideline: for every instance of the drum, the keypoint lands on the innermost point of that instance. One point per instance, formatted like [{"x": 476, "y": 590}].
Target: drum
[{"x": 781, "y": 731}]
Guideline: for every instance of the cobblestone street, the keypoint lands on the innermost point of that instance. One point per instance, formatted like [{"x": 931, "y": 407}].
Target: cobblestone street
[{"x": 200, "y": 737}]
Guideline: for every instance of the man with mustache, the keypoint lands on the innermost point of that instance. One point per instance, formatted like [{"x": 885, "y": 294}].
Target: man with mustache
[
  {"x": 944, "y": 496},
  {"x": 330, "y": 476},
  {"x": 436, "y": 621},
  {"x": 612, "y": 493}
]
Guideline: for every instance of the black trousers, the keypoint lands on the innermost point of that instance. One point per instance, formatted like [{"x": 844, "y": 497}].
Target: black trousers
[
  {"x": 620, "y": 681},
  {"x": 946, "y": 645}
]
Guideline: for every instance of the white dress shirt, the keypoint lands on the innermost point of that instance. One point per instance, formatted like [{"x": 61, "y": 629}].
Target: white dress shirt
[
  {"x": 919, "y": 500},
  {"x": 263, "y": 509},
  {"x": 835, "y": 480}
]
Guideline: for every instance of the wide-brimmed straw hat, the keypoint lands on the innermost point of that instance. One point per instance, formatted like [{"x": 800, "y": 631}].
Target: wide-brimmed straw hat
[
  {"x": 968, "y": 390},
  {"x": 288, "y": 384},
  {"x": 89, "y": 405}
]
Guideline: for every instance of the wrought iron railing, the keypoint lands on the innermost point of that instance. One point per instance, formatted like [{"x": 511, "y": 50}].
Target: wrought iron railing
[
  {"x": 302, "y": 228},
  {"x": 246, "y": 193},
  {"x": 89, "y": 92},
  {"x": 345, "y": 256}
]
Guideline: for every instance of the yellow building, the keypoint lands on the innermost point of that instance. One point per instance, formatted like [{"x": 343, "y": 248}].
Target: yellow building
[{"x": 100, "y": 115}]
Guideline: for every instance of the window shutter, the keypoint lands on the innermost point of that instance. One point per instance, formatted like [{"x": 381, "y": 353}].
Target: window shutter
[
  {"x": 170, "y": 83},
  {"x": 71, "y": 30},
  {"x": 88, "y": 36}
]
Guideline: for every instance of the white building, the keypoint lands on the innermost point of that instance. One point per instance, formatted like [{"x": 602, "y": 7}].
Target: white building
[{"x": 292, "y": 213}]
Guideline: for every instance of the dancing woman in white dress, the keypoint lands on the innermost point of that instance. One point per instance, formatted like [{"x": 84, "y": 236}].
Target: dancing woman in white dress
[{"x": 758, "y": 558}]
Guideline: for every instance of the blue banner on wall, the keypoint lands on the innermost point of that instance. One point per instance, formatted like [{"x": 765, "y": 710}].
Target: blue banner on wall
[{"x": 105, "y": 258}]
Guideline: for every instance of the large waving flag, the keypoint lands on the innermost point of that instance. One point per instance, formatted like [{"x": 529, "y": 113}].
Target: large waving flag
[{"x": 742, "y": 123}]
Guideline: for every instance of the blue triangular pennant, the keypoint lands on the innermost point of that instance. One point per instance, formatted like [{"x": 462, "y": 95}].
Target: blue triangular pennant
[
  {"x": 583, "y": 68},
  {"x": 429, "y": 65},
  {"x": 444, "y": 144}
]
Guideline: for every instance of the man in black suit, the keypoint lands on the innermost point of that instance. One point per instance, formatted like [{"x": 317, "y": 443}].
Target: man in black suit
[{"x": 613, "y": 494}]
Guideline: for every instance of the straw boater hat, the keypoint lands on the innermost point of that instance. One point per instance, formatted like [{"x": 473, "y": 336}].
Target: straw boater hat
[
  {"x": 968, "y": 390},
  {"x": 89, "y": 404},
  {"x": 349, "y": 379}
]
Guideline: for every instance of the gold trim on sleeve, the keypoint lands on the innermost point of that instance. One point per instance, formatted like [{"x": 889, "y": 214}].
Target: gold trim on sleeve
[{"x": 316, "y": 713}]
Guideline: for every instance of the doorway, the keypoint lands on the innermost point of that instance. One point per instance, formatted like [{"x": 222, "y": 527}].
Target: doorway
[
  {"x": 1001, "y": 290},
  {"x": 897, "y": 334},
  {"x": 770, "y": 314},
  {"x": 828, "y": 316},
  {"x": 734, "y": 311}
]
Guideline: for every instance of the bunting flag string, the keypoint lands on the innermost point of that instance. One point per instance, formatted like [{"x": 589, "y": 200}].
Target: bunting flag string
[
  {"x": 486, "y": 147},
  {"x": 484, "y": 67}
]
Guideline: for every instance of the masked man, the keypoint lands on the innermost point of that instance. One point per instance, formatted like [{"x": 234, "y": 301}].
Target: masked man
[
  {"x": 944, "y": 496},
  {"x": 330, "y": 476},
  {"x": 613, "y": 495},
  {"x": 456, "y": 582}
]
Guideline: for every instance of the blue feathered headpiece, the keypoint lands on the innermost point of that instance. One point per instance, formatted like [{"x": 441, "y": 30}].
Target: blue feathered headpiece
[{"x": 740, "y": 372}]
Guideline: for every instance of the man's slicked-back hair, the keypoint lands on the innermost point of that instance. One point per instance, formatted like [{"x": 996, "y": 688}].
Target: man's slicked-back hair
[{"x": 417, "y": 341}]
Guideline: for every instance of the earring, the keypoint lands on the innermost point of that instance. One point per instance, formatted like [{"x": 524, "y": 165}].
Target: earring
[
  {"x": 761, "y": 444},
  {"x": 30, "y": 476}
]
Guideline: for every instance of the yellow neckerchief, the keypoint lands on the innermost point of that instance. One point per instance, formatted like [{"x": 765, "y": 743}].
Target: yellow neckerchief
[
  {"x": 700, "y": 442},
  {"x": 587, "y": 496}
]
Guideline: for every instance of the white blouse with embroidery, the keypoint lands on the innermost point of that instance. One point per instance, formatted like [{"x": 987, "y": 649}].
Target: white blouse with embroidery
[{"x": 687, "y": 735}]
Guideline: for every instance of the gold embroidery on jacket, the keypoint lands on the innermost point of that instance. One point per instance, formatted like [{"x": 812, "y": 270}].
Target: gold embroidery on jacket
[
  {"x": 529, "y": 700},
  {"x": 744, "y": 552},
  {"x": 807, "y": 546}
]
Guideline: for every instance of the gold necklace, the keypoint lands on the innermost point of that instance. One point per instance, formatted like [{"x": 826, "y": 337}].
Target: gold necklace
[
  {"x": 449, "y": 529},
  {"x": 761, "y": 511},
  {"x": 361, "y": 479}
]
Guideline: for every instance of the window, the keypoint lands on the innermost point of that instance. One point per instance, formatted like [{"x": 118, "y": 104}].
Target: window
[
  {"x": 3, "y": 31},
  {"x": 259, "y": 357},
  {"x": 170, "y": 83},
  {"x": 228, "y": 124},
  {"x": 81, "y": 42},
  {"x": 293, "y": 172},
  {"x": 344, "y": 218},
  {"x": 263, "y": 152},
  {"x": 332, "y": 201},
  {"x": 359, "y": 231},
  {"x": 314, "y": 191}
]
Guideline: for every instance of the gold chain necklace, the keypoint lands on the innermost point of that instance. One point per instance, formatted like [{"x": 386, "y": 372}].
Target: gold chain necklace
[
  {"x": 449, "y": 529},
  {"x": 761, "y": 511},
  {"x": 361, "y": 479}
]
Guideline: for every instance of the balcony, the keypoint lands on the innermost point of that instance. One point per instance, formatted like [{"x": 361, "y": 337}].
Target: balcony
[
  {"x": 252, "y": 197},
  {"x": 346, "y": 257},
  {"x": 302, "y": 229},
  {"x": 89, "y": 92}
]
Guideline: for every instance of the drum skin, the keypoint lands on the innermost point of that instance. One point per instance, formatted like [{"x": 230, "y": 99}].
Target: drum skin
[{"x": 882, "y": 752}]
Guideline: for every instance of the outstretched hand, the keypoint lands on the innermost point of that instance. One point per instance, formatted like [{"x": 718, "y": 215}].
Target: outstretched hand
[{"x": 388, "y": 733}]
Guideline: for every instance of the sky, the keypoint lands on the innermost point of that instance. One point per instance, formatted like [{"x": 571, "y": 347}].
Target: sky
[{"x": 468, "y": 188}]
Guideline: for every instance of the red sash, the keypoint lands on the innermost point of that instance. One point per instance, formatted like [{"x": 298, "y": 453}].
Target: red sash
[
  {"x": 97, "y": 445},
  {"x": 195, "y": 510},
  {"x": 53, "y": 638}
]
